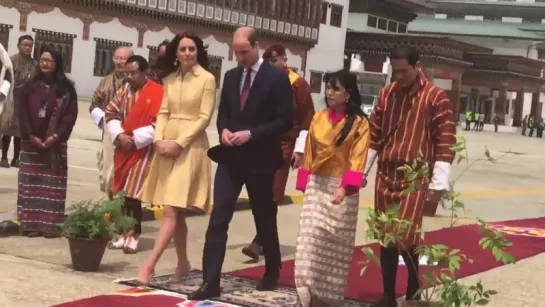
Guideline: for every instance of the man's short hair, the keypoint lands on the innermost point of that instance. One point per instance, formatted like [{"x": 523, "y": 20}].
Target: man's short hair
[
  {"x": 24, "y": 38},
  {"x": 274, "y": 51},
  {"x": 404, "y": 52},
  {"x": 140, "y": 60}
]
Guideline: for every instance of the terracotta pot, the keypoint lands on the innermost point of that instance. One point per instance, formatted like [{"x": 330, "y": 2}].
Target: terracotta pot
[{"x": 86, "y": 254}]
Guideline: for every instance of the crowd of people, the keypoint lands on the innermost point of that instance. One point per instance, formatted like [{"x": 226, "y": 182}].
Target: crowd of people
[{"x": 155, "y": 150}]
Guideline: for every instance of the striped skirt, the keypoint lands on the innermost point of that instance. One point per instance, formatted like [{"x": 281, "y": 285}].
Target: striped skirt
[
  {"x": 41, "y": 196},
  {"x": 325, "y": 244}
]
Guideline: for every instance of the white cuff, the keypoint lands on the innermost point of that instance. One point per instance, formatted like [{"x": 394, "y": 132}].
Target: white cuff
[
  {"x": 97, "y": 114},
  {"x": 440, "y": 180},
  {"x": 371, "y": 157},
  {"x": 115, "y": 129},
  {"x": 300, "y": 142},
  {"x": 143, "y": 136},
  {"x": 4, "y": 89}
]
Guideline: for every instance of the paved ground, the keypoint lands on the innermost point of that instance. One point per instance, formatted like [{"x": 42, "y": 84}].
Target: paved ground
[{"x": 36, "y": 272}]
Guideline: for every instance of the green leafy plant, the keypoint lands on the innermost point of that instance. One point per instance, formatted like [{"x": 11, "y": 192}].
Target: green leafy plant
[
  {"x": 439, "y": 286},
  {"x": 97, "y": 219}
]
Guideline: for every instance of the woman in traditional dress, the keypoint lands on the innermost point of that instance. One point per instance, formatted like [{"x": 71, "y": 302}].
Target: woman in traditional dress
[
  {"x": 24, "y": 68},
  {"x": 49, "y": 110},
  {"x": 332, "y": 173},
  {"x": 180, "y": 173}
]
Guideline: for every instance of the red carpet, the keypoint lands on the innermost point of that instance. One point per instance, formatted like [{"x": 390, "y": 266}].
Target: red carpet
[{"x": 527, "y": 236}]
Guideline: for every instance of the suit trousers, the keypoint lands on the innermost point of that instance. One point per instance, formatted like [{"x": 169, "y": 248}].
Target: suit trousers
[{"x": 228, "y": 184}]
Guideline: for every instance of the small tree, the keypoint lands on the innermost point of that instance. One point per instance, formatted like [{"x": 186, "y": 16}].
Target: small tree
[{"x": 439, "y": 286}]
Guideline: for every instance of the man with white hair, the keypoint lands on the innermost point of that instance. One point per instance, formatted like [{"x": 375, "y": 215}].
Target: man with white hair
[{"x": 103, "y": 94}]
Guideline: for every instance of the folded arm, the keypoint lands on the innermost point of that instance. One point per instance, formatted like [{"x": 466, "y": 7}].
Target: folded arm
[
  {"x": 194, "y": 128},
  {"x": 357, "y": 159},
  {"x": 282, "y": 95},
  {"x": 443, "y": 132},
  {"x": 97, "y": 103}
]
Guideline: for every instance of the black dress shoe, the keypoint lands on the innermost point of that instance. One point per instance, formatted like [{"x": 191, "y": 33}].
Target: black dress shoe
[
  {"x": 267, "y": 284},
  {"x": 15, "y": 163},
  {"x": 205, "y": 292},
  {"x": 253, "y": 251},
  {"x": 386, "y": 302}
]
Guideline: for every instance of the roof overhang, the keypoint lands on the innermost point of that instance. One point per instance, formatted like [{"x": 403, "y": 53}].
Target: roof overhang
[{"x": 496, "y": 8}]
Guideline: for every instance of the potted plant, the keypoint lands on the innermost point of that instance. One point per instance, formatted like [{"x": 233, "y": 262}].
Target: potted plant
[
  {"x": 439, "y": 286},
  {"x": 89, "y": 226}
]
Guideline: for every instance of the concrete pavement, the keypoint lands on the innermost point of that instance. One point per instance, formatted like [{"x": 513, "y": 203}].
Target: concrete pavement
[{"x": 36, "y": 272}]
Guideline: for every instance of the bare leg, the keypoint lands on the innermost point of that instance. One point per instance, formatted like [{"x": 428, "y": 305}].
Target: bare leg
[
  {"x": 166, "y": 231},
  {"x": 180, "y": 242}
]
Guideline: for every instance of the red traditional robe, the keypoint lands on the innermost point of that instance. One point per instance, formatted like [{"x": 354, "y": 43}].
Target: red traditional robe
[{"x": 406, "y": 125}]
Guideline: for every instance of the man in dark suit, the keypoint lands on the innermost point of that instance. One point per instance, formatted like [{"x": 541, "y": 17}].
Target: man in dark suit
[{"x": 256, "y": 109}]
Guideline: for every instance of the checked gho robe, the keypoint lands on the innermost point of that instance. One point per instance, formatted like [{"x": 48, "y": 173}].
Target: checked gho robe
[
  {"x": 406, "y": 125},
  {"x": 134, "y": 113},
  {"x": 303, "y": 111}
]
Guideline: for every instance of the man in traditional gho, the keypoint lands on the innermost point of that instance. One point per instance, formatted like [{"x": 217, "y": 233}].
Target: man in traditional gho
[
  {"x": 24, "y": 68},
  {"x": 292, "y": 147},
  {"x": 130, "y": 121},
  {"x": 103, "y": 94},
  {"x": 156, "y": 71},
  {"x": 412, "y": 121}
]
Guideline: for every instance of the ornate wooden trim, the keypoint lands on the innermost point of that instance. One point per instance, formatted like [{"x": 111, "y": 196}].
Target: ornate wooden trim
[{"x": 24, "y": 8}]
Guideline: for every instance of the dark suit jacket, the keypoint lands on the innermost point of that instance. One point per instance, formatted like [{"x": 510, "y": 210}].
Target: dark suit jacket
[{"x": 268, "y": 114}]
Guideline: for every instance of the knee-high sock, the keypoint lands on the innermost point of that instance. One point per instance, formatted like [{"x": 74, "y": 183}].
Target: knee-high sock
[
  {"x": 410, "y": 256},
  {"x": 389, "y": 260},
  {"x": 133, "y": 208}
]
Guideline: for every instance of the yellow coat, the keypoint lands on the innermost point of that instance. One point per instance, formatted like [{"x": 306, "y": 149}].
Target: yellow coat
[{"x": 188, "y": 105}]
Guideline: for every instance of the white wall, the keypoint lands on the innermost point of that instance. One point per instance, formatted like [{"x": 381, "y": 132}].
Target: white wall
[
  {"x": 83, "y": 55},
  {"x": 328, "y": 54},
  {"x": 502, "y": 46}
]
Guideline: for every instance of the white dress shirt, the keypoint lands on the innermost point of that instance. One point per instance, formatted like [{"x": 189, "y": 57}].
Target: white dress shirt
[{"x": 255, "y": 69}]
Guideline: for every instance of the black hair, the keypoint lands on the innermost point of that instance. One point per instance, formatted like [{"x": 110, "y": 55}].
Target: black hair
[
  {"x": 24, "y": 38},
  {"x": 349, "y": 81},
  {"x": 63, "y": 84},
  {"x": 169, "y": 62},
  {"x": 140, "y": 60},
  {"x": 404, "y": 52},
  {"x": 163, "y": 43}
]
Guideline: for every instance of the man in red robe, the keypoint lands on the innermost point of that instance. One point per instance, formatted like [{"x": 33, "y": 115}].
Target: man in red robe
[
  {"x": 413, "y": 120},
  {"x": 130, "y": 121},
  {"x": 293, "y": 142}
]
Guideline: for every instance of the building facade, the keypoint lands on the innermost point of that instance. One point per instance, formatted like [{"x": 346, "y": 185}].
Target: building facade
[
  {"x": 514, "y": 30},
  {"x": 88, "y": 31}
]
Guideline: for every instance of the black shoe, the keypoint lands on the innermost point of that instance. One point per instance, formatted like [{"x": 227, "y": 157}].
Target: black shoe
[
  {"x": 267, "y": 284},
  {"x": 205, "y": 292},
  {"x": 4, "y": 163},
  {"x": 386, "y": 302},
  {"x": 15, "y": 163},
  {"x": 253, "y": 251}
]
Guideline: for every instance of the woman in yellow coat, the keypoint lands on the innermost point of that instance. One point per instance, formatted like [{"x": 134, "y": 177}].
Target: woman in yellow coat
[{"x": 180, "y": 173}]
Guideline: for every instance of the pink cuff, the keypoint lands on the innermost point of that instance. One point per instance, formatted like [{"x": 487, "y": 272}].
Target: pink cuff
[
  {"x": 302, "y": 179},
  {"x": 352, "y": 182}
]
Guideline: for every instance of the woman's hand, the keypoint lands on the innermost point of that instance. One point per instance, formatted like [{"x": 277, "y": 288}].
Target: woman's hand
[
  {"x": 50, "y": 141},
  {"x": 339, "y": 196},
  {"x": 37, "y": 142},
  {"x": 168, "y": 148}
]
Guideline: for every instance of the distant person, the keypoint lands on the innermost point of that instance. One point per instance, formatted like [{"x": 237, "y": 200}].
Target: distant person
[
  {"x": 49, "y": 109},
  {"x": 531, "y": 126},
  {"x": 481, "y": 121},
  {"x": 468, "y": 120},
  {"x": 540, "y": 127},
  {"x": 496, "y": 123},
  {"x": 24, "y": 68},
  {"x": 156, "y": 71},
  {"x": 476, "y": 121},
  {"x": 180, "y": 173},
  {"x": 524, "y": 125}
]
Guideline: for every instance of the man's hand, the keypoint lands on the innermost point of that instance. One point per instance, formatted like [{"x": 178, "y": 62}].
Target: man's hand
[
  {"x": 296, "y": 160},
  {"x": 37, "y": 142},
  {"x": 50, "y": 141},
  {"x": 339, "y": 196},
  {"x": 364, "y": 182},
  {"x": 433, "y": 197},
  {"x": 125, "y": 142},
  {"x": 240, "y": 137},
  {"x": 226, "y": 136}
]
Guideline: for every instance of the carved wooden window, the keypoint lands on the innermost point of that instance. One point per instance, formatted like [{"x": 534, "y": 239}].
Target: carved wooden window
[
  {"x": 272, "y": 7},
  {"x": 62, "y": 42},
  {"x": 316, "y": 82},
  {"x": 401, "y": 28},
  {"x": 336, "y": 15},
  {"x": 4, "y": 34},
  {"x": 152, "y": 54},
  {"x": 215, "y": 68},
  {"x": 220, "y": 2},
  {"x": 372, "y": 21},
  {"x": 324, "y": 8},
  {"x": 104, "y": 54},
  {"x": 292, "y": 12},
  {"x": 299, "y": 11}
]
